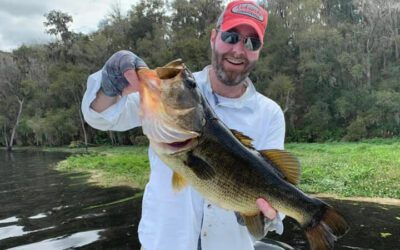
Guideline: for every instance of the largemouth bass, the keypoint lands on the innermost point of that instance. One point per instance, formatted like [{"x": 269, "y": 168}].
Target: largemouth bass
[{"x": 220, "y": 163}]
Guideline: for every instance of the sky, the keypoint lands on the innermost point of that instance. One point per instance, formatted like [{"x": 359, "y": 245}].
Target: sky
[{"x": 21, "y": 21}]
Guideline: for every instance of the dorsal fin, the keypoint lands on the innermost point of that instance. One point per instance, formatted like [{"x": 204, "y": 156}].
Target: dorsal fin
[
  {"x": 284, "y": 162},
  {"x": 244, "y": 139}
]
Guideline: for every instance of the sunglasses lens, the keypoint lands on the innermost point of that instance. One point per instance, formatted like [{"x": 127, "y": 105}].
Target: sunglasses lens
[
  {"x": 250, "y": 43},
  {"x": 230, "y": 37}
]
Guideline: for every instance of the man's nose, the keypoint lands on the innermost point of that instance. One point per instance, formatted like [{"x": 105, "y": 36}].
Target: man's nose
[{"x": 238, "y": 47}]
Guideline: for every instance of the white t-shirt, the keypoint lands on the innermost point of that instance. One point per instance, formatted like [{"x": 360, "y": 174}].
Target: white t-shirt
[{"x": 174, "y": 221}]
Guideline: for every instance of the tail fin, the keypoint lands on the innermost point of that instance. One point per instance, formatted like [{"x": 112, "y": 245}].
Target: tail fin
[{"x": 322, "y": 234}]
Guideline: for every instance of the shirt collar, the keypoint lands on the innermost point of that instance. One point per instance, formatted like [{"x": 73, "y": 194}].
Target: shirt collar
[{"x": 247, "y": 99}]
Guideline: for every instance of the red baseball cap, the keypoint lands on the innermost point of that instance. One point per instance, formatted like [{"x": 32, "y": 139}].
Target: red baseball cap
[{"x": 244, "y": 12}]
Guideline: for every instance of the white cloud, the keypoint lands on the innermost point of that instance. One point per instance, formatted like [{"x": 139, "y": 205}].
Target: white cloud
[{"x": 21, "y": 21}]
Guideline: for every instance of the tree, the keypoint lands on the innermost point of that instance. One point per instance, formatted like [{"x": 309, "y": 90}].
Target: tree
[
  {"x": 190, "y": 28},
  {"x": 377, "y": 32},
  {"x": 143, "y": 20},
  {"x": 13, "y": 91},
  {"x": 333, "y": 66},
  {"x": 57, "y": 24},
  {"x": 68, "y": 88},
  {"x": 281, "y": 90}
]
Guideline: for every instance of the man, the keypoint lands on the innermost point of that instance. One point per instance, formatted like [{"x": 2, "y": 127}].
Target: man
[{"x": 184, "y": 220}]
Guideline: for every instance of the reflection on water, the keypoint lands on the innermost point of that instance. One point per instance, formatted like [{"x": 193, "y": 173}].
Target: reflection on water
[
  {"x": 14, "y": 231},
  {"x": 11, "y": 231},
  {"x": 38, "y": 216},
  {"x": 44, "y": 209},
  {"x": 9, "y": 220},
  {"x": 75, "y": 240}
]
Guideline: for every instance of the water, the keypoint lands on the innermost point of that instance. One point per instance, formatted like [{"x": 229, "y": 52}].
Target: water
[{"x": 41, "y": 208}]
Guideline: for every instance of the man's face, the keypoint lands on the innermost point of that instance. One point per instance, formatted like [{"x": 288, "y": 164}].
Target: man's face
[{"x": 233, "y": 62}]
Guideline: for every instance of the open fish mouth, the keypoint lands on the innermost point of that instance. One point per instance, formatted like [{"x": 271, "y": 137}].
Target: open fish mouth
[
  {"x": 172, "y": 148},
  {"x": 169, "y": 137},
  {"x": 180, "y": 144}
]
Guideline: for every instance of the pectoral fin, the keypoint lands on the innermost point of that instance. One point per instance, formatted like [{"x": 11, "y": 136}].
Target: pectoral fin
[
  {"x": 201, "y": 168},
  {"x": 178, "y": 182},
  {"x": 255, "y": 225}
]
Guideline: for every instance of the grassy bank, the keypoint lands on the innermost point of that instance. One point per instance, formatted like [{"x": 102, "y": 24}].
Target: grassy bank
[
  {"x": 368, "y": 169},
  {"x": 110, "y": 166}
]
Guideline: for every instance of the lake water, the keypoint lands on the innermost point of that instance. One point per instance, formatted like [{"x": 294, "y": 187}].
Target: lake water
[{"x": 41, "y": 208}]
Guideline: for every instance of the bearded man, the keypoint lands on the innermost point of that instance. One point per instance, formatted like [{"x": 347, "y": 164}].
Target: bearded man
[{"x": 185, "y": 220}]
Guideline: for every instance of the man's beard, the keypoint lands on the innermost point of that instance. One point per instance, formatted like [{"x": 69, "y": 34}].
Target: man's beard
[{"x": 229, "y": 77}]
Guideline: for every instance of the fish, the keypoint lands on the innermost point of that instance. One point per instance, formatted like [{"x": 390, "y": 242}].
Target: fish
[{"x": 221, "y": 163}]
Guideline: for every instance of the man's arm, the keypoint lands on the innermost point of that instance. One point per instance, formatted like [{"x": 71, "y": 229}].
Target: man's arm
[
  {"x": 119, "y": 78},
  {"x": 102, "y": 102},
  {"x": 106, "y": 105}
]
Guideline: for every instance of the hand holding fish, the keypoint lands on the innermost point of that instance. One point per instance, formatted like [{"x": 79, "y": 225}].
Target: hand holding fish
[
  {"x": 265, "y": 208},
  {"x": 118, "y": 74},
  {"x": 133, "y": 80},
  {"x": 119, "y": 78}
]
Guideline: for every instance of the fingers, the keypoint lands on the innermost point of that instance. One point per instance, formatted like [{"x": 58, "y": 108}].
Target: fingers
[
  {"x": 114, "y": 81},
  {"x": 133, "y": 80},
  {"x": 266, "y": 208},
  {"x": 128, "y": 60}
]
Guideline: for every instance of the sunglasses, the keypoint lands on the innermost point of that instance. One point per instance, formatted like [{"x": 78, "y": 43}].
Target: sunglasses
[{"x": 231, "y": 37}]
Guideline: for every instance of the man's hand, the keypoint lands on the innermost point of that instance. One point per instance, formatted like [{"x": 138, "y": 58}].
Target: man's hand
[
  {"x": 271, "y": 218},
  {"x": 133, "y": 80},
  {"x": 119, "y": 74},
  {"x": 266, "y": 208},
  {"x": 118, "y": 77}
]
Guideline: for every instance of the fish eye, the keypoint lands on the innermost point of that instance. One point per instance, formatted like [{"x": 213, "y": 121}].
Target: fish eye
[{"x": 190, "y": 82}]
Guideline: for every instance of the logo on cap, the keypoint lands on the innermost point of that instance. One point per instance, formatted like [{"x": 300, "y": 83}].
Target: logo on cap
[{"x": 248, "y": 10}]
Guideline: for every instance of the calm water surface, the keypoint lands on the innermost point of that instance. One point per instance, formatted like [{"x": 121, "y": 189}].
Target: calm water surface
[{"x": 41, "y": 208}]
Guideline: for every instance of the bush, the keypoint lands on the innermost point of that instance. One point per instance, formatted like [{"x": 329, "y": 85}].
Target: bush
[
  {"x": 77, "y": 144},
  {"x": 356, "y": 131}
]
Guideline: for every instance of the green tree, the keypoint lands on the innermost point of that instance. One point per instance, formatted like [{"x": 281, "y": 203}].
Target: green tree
[
  {"x": 15, "y": 87},
  {"x": 281, "y": 90},
  {"x": 191, "y": 24},
  {"x": 58, "y": 25},
  {"x": 67, "y": 88}
]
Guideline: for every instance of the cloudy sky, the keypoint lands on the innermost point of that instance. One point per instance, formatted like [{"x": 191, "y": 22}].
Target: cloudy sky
[{"x": 21, "y": 21}]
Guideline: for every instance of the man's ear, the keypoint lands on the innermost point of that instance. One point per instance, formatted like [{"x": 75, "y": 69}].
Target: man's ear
[{"x": 213, "y": 37}]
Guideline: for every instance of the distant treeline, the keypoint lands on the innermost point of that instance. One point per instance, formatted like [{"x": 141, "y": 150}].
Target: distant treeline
[{"x": 332, "y": 65}]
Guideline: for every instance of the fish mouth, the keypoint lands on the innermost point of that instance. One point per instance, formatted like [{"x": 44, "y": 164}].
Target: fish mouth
[
  {"x": 180, "y": 144},
  {"x": 169, "y": 138},
  {"x": 177, "y": 147}
]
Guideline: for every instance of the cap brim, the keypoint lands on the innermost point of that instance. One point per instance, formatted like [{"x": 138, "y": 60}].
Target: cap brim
[{"x": 229, "y": 24}]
